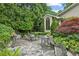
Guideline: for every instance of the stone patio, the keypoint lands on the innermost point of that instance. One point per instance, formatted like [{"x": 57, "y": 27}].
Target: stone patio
[{"x": 34, "y": 48}]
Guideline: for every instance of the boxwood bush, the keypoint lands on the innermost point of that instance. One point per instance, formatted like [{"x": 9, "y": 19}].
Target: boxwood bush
[{"x": 5, "y": 34}]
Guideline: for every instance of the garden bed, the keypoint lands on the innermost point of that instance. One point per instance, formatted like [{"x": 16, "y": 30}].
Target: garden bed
[{"x": 67, "y": 34}]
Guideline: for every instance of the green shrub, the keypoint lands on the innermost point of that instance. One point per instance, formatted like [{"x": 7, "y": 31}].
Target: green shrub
[
  {"x": 24, "y": 17},
  {"x": 19, "y": 18},
  {"x": 54, "y": 25},
  {"x": 70, "y": 42},
  {"x": 21, "y": 25},
  {"x": 9, "y": 52},
  {"x": 5, "y": 34},
  {"x": 2, "y": 45}
]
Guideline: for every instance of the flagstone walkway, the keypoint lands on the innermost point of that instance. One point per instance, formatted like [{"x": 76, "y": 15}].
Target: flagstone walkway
[{"x": 33, "y": 48}]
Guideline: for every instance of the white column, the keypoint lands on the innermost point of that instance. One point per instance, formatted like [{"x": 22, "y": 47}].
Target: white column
[
  {"x": 44, "y": 24},
  {"x": 50, "y": 21}
]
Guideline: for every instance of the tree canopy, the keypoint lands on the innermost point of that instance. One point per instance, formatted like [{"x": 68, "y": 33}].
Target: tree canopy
[{"x": 24, "y": 17}]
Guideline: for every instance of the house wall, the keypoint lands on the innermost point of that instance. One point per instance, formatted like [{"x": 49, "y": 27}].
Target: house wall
[{"x": 73, "y": 12}]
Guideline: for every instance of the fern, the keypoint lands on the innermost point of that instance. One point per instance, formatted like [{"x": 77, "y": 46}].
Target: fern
[{"x": 9, "y": 52}]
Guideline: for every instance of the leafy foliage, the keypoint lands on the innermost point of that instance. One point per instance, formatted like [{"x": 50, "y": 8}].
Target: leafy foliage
[
  {"x": 69, "y": 26},
  {"x": 54, "y": 25},
  {"x": 24, "y": 17},
  {"x": 71, "y": 43},
  {"x": 5, "y": 34},
  {"x": 9, "y": 52},
  {"x": 39, "y": 11},
  {"x": 67, "y": 34},
  {"x": 16, "y": 17}
]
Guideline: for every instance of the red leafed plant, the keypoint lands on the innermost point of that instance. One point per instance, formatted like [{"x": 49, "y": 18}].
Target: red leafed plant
[{"x": 69, "y": 26}]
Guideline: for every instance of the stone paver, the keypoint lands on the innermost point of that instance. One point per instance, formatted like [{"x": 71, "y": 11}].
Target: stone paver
[{"x": 33, "y": 48}]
